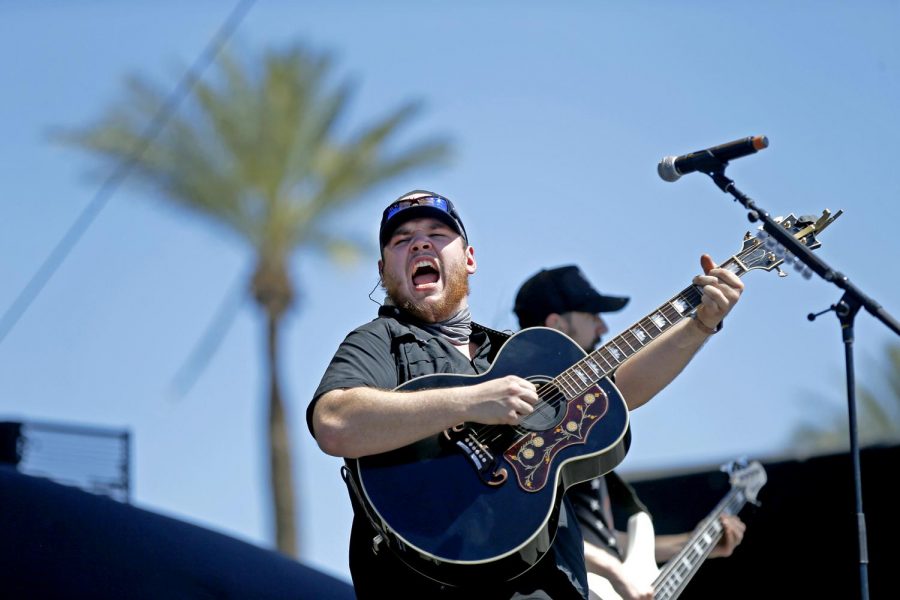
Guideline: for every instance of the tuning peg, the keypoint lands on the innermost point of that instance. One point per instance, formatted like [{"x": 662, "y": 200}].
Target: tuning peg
[
  {"x": 788, "y": 258},
  {"x": 732, "y": 466},
  {"x": 802, "y": 269},
  {"x": 761, "y": 234},
  {"x": 780, "y": 272}
]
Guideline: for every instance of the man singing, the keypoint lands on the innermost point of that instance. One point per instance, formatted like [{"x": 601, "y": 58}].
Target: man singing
[{"x": 425, "y": 328}]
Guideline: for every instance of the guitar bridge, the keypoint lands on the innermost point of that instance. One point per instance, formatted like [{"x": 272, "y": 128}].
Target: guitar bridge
[{"x": 482, "y": 459}]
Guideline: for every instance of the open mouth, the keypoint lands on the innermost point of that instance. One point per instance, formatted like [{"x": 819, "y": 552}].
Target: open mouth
[{"x": 425, "y": 274}]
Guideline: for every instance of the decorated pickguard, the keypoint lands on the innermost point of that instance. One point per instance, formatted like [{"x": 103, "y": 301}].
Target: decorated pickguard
[{"x": 532, "y": 456}]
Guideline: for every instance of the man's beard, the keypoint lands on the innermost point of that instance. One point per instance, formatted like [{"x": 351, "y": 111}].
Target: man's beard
[
  {"x": 571, "y": 327},
  {"x": 456, "y": 288}
]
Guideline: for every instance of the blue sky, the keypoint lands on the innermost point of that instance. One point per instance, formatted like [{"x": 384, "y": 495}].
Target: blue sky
[{"x": 558, "y": 115}]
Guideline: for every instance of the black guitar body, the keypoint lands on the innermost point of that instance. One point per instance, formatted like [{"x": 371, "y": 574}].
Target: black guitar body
[{"x": 483, "y": 501}]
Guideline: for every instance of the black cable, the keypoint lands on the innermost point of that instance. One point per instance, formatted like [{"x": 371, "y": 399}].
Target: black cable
[{"x": 101, "y": 198}]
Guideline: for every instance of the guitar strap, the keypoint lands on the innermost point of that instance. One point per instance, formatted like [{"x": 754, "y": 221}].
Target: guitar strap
[
  {"x": 498, "y": 338},
  {"x": 347, "y": 474},
  {"x": 594, "y": 501}
]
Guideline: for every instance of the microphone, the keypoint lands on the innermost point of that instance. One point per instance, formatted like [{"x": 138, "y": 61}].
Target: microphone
[{"x": 671, "y": 168}]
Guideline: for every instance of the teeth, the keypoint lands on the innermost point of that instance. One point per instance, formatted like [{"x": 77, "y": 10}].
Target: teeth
[{"x": 423, "y": 263}]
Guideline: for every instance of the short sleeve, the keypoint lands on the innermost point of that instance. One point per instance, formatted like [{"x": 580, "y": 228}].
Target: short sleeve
[{"x": 363, "y": 359}]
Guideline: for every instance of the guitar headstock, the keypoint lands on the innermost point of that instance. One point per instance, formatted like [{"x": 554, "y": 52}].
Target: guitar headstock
[
  {"x": 762, "y": 251},
  {"x": 749, "y": 477}
]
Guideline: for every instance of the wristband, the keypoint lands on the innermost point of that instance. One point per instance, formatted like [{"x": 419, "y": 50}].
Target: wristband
[{"x": 704, "y": 328}]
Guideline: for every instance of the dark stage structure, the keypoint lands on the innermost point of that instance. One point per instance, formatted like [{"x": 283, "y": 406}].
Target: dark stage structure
[
  {"x": 67, "y": 530},
  {"x": 61, "y": 542},
  {"x": 801, "y": 541}
]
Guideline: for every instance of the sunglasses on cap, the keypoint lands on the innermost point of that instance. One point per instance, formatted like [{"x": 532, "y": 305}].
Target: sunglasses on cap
[
  {"x": 436, "y": 201},
  {"x": 439, "y": 207}
]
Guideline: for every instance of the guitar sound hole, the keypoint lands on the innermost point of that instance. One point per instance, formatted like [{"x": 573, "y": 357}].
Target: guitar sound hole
[{"x": 550, "y": 412}]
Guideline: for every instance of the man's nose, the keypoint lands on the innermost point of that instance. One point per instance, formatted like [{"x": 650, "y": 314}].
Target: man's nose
[
  {"x": 601, "y": 327},
  {"x": 420, "y": 242}
]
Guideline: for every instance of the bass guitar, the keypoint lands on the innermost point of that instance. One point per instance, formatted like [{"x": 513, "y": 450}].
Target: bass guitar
[
  {"x": 670, "y": 581},
  {"x": 483, "y": 500}
]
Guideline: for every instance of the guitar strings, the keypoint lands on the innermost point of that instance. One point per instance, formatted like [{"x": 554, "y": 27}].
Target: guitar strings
[
  {"x": 549, "y": 395},
  {"x": 665, "y": 588},
  {"x": 552, "y": 394}
]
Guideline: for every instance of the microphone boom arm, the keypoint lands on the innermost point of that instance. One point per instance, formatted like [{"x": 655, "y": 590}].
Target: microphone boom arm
[{"x": 797, "y": 248}]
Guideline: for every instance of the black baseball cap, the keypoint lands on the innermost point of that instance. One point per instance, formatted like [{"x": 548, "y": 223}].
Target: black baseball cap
[
  {"x": 419, "y": 204},
  {"x": 561, "y": 290}
]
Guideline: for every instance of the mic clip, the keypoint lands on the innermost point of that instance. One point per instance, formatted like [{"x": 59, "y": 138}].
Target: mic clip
[
  {"x": 813, "y": 316},
  {"x": 709, "y": 163}
]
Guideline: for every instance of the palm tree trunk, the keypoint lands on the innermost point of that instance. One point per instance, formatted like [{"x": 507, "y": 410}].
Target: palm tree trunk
[{"x": 280, "y": 471}]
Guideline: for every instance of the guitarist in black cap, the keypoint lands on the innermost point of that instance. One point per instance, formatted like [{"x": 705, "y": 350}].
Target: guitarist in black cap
[{"x": 563, "y": 299}]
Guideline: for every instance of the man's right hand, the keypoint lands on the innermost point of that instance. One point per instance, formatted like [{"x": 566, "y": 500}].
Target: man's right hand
[
  {"x": 602, "y": 563},
  {"x": 629, "y": 589},
  {"x": 505, "y": 401}
]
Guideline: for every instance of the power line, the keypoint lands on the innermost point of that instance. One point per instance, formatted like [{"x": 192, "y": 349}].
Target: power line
[
  {"x": 65, "y": 245},
  {"x": 204, "y": 350}
]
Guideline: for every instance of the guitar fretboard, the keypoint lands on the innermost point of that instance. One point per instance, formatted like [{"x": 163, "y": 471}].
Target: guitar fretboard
[
  {"x": 603, "y": 361},
  {"x": 684, "y": 565}
]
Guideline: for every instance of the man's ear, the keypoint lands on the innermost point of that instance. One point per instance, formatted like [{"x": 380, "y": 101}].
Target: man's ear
[
  {"x": 471, "y": 264},
  {"x": 555, "y": 321},
  {"x": 381, "y": 269}
]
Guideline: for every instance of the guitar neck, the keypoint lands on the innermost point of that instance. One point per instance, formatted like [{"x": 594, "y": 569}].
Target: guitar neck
[
  {"x": 676, "y": 573},
  {"x": 603, "y": 361}
]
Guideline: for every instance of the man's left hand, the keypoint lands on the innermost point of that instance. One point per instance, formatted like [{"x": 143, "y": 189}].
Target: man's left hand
[
  {"x": 721, "y": 290},
  {"x": 732, "y": 536}
]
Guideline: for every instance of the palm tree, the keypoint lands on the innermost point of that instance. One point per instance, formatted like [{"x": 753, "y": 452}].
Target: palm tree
[
  {"x": 258, "y": 150},
  {"x": 878, "y": 417}
]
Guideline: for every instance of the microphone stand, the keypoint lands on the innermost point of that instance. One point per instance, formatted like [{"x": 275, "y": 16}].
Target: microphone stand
[{"x": 846, "y": 308}]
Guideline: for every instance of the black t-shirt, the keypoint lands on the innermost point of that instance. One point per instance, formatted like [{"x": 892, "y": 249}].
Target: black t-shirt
[{"x": 384, "y": 354}]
